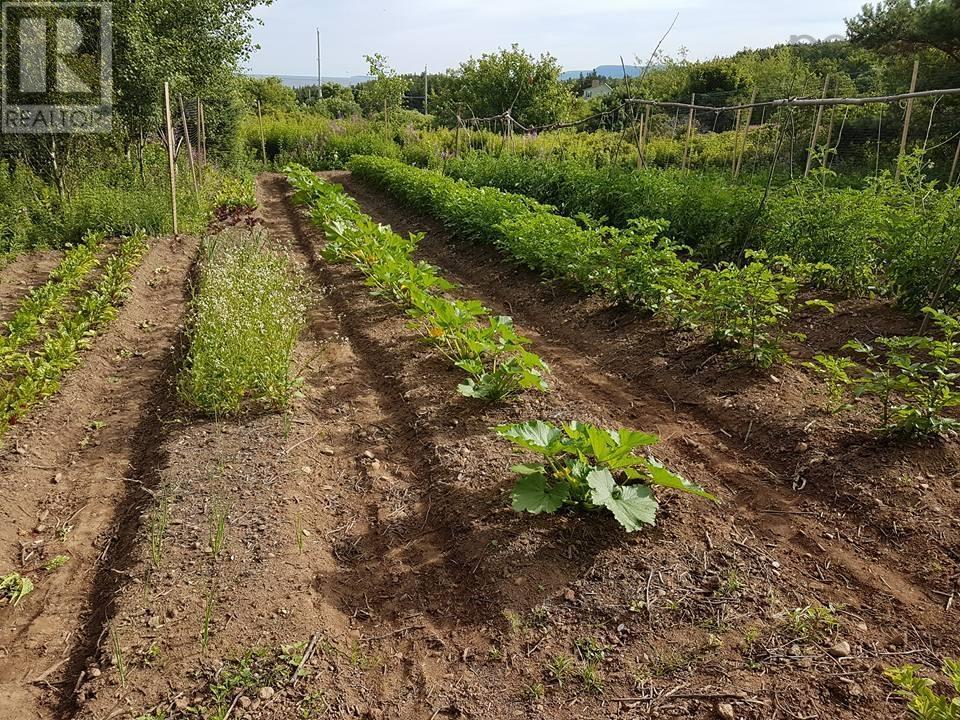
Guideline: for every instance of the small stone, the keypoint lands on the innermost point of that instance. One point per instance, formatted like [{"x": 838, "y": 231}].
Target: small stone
[
  {"x": 369, "y": 455},
  {"x": 569, "y": 595},
  {"x": 840, "y": 649},
  {"x": 266, "y": 693},
  {"x": 245, "y": 702},
  {"x": 802, "y": 447},
  {"x": 306, "y": 470},
  {"x": 725, "y": 711},
  {"x": 182, "y": 703},
  {"x": 326, "y": 450},
  {"x": 95, "y": 672},
  {"x": 57, "y": 478}
]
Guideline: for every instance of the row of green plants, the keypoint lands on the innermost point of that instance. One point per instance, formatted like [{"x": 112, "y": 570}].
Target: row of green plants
[
  {"x": 247, "y": 311},
  {"x": 45, "y": 303},
  {"x": 35, "y": 374},
  {"x": 583, "y": 467},
  {"x": 486, "y": 347},
  {"x": 743, "y": 307},
  {"x": 892, "y": 236}
]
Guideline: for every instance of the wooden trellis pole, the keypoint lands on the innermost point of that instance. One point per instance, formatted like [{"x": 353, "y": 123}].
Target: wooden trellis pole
[
  {"x": 186, "y": 135},
  {"x": 906, "y": 117},
  {"x": 686, "y": 146},
  {"x": 816, "y": 129},
  {"x": 170, "y": 159},
  {"x": 746, "y": 134},
  {"x": 263, "y": 140},
  {"x": 956, "y": 160}
]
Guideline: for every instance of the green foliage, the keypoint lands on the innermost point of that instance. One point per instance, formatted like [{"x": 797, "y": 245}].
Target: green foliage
[
  {"x": 512, "y": 80},
  {"x": 924, "y": 702},
  {"x": 585, "y": 467},
  {"x": 747, "y": 307},
  {"x": 906, "y": 26},
  {"x": 488, "y": 348},
  {"x": 915, "y": 379},
  {"x": 383, "y": 94},
  {"x": 247, "y": 311},
  {"x": 14, "y": 587},
  {"x": 37, "y": 371},
  {"x": 270, "y": 92}
]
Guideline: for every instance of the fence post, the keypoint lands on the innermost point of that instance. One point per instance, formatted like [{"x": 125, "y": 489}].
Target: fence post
[
  {"x": 736, "y": 144},
  {"x": 686, "y": 146},
  {"x": 816, "y": 129},
  {"x": 173, "y": 167},
  {"x": 186, "y": 135},
  {"x": 906, "y": 117},
  {"x": 263, "y": 140}
]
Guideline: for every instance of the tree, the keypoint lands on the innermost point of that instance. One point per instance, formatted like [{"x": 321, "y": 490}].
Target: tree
[
  {"x": 271, "y": 93},
  {"x": 909, "y": 25},
  {"x": 385, "y": 91},
  {"x": 530, "y": 88}
]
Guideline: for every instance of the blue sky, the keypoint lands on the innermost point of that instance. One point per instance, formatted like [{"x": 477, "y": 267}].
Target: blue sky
[{"x": 581, "y": 34}]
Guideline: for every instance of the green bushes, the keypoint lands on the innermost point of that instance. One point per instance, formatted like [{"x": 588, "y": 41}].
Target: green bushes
[
  {"x": 895, "y": 236},
  {"x": 247, "y": 312},
  {"x": 486, "y": 347}
]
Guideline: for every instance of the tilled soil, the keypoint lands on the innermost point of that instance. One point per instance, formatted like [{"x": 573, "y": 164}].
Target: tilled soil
[
  {"x": 370, "y": 525},
  {"x": 68, "y": 476},
  {"x": 22, "y": 274}
]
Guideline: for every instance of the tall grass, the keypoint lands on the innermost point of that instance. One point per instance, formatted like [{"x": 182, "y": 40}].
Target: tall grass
[{"x": 248, "y": 310}]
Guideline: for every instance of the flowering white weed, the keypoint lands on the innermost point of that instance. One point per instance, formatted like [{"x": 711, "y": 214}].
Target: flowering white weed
[{"x": 248, "y": 311}]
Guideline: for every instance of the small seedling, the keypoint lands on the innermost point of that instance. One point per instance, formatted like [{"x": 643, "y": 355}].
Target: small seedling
[
  {"x": 118, "y": 657},
  {"x": 558, "y": 668},
  {"x": 56, "y": 562}
]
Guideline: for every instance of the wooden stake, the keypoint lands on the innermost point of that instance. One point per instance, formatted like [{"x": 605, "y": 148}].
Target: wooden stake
[
  {"x": 263, "y": 140},
  {"x": 173, "y": 167},
  {"x": 736, "y": 145},
  {"x": 456, "y": 144},
  {"x": 643, "y": 130},
  {"x": 816, "y": 129},
  {"x": 906, "y": 117},
  {"x": 686, "y": 147},
  {"x": 186, "y": 135},
  {"x": 956, "y": 159},
  {"x": 746, "y": 134}
]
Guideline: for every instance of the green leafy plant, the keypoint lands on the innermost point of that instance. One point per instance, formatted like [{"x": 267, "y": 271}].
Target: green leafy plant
[
  {"x": 915, "y": 379},
  {"x": 585, "y": 467},
  {"x": 923, "y": 701},
  {"x": 14, "y": 587}
]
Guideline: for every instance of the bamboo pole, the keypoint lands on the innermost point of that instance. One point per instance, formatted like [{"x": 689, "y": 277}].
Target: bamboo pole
[
  {"x": 263, "y": 140},
  {"x": 686, "y": 146},
  {"x": 170, "y": 159},
  {"x": 186, "y": 135},
  {"x": 816, "y": 129},
  {"x": 906, "y": 117},
  {"x": 736, "y": 144}
]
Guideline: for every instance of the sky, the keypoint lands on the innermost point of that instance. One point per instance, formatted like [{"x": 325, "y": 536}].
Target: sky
[{"x": 581, "y": 34}]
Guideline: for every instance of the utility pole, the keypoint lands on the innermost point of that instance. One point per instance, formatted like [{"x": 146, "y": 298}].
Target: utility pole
[
  {"x": 426, "y": 91},
  {"x": 319, "y": 68}
]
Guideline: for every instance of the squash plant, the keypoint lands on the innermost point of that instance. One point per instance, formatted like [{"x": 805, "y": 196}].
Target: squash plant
[{"x": 586, "y": 467}]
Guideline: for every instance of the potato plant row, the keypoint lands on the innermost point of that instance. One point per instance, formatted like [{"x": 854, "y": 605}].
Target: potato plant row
[
  {"x": 38, "y": 373},
  {"x": 891, "y": 236},
  {"x": 487, "y": 347},
  {"x": 744, "y": 308}
]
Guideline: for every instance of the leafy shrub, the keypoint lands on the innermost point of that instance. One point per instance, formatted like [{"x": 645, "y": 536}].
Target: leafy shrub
[
  {"x": 923, "y": 702},
  {"x": 585, "y": 467},
  {"x": 916, "y": 379},
  {"x": 247, "y": 312}
]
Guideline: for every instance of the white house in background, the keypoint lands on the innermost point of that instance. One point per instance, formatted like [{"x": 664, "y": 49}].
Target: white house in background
[{"x": 597, "y": 89}]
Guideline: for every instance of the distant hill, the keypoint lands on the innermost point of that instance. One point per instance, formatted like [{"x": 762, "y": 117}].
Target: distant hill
[
  {"x": 296, "y": 81},
  {"x": 607, "y": 71}
]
